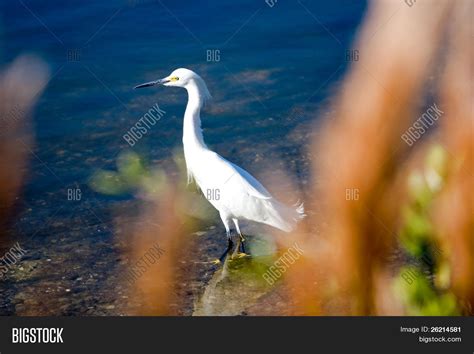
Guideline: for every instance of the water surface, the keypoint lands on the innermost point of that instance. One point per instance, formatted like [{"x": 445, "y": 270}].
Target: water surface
[{"x": 269, "y": 69}]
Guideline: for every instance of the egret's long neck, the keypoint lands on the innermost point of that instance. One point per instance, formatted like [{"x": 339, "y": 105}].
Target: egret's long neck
[{"x": 192, "y": 133}]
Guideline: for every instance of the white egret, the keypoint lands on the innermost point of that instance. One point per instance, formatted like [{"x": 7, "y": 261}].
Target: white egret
[{"x": 234, "y": 192}]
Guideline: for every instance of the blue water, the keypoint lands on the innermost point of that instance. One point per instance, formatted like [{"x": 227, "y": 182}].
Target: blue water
[{"x": 271, "y": 61}]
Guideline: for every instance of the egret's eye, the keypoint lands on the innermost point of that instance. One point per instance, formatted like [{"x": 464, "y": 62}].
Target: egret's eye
[{"x": 174, "y": 78}]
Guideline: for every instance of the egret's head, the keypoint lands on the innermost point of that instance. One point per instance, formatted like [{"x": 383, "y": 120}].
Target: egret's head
[{"x": 182, "y": 78}]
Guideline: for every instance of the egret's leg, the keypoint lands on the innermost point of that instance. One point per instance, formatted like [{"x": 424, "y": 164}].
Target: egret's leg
[
  {"x": 230, "y": 244},
  {"x": 241, "y": 241}
]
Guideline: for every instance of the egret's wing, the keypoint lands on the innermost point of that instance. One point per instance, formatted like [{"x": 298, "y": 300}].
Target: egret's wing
[
  {"x": 235, "y": 175},
  {"x": 251, "y": 185},
  {"x": 222, "y": 172}
]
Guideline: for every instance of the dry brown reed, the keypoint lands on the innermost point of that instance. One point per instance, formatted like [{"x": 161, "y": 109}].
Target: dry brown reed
[
  {"x": 455, "y": 205},
  {"x": 20, "y": 87}
]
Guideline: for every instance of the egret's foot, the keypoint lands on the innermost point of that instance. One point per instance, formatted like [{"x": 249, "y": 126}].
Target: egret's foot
[
  {"x": 216, "y": 262},
  {"x": 240, "y": 255}
]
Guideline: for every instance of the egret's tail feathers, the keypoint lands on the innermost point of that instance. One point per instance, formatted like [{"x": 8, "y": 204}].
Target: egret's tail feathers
[
  {"x": 283, "y": 217},
  {"x": 299, "y": 210}
]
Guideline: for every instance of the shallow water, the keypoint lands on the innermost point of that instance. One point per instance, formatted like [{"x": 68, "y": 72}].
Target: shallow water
[{"x": 269, "y": 69}]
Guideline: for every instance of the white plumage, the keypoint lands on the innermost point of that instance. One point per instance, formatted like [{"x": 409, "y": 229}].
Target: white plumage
[{"x": 234, "y": 192}]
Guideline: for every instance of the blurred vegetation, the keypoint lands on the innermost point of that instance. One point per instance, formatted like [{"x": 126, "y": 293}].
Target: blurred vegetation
[
  {"x": 133, "y": 175},
  {"x": 359, "y": 147},
  {"x": 423, "y": 287},
  {"x": 21, "y": 85}
]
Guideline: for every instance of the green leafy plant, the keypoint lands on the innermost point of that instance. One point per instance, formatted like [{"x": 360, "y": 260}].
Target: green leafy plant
[
  {"x": 132, "y": 176},
  {"x": 422, "y": 285}
]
